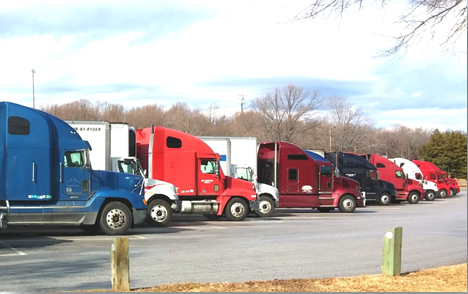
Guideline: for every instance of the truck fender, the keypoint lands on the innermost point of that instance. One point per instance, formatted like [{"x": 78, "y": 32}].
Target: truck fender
[{"x": 136, "y": 202}]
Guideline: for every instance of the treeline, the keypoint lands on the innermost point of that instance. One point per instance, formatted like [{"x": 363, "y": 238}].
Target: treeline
[{"x": 285, "y": 114}]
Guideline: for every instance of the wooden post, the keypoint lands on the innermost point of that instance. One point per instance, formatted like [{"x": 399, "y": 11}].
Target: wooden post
[
  {"x": 391, "y": 261},
  {"x": 120, "y": 265}
]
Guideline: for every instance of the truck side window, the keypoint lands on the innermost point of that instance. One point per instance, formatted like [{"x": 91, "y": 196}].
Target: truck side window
[
  {"x": 399, "y": 174},
  {"x": 419, "y": 176},
  {"x": 350, "y": 161},
  {"x": 74, "y": 159},
  {"x": 208, "y": 166},
  {"x": 432, "y": 176},
  {"x": 18, "y": 126},
  {"x": 326, "y": 171},
  {"x": 292, "y": 174},
  {"x": 172, "y": 142},
  {"x": 380, "y": 164}
]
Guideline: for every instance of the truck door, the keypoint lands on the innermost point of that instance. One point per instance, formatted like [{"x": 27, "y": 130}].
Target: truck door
[
  {"x": 326, "y": 180},
  {"x": 76, "y": 175},
  {"x": 209, "y": 177}
]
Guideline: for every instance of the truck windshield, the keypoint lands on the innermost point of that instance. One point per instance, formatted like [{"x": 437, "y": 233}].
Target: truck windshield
[
  {"x": 208, "y": 166},
  {"x": 244, "y": 173},
  {"x": 128, "y": 166},
  {"x": 75, "y": 158}
]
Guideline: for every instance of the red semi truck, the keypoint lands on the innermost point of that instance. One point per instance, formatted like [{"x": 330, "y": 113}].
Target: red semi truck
[
  {"x": 407, "y": 189},
  {"x": 432, "y": 173},
  {"x": 303, "y": 182},
  {"x": 191, "y": 165}
]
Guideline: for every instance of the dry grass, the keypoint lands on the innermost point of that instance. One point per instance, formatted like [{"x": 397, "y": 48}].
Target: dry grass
[{"x": 443, "y": 279}]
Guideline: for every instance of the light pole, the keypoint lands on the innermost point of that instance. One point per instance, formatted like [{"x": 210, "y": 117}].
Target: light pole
[
  {"x": 242, "y": 102},
  {"x": 33, "y": 71}
]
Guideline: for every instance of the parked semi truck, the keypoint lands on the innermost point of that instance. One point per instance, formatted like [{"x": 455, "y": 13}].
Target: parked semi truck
[
  {"x": 239, "y": 160},
  {"x": 47, "y": 177},
  {"x": 303, "y": 182},
  {"x": 194, "y": 168},
  {"x": 358, "y": 168},
  {"x": 413, "y": 172},
  {"x": 114, "y": 148},
  {"x": 432, "y": 173},
  {"x": 406, "y": 189}
]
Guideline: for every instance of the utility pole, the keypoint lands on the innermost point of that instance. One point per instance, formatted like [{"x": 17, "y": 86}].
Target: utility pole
[
  {"x": 33, "y": 71},
  {"x": 242, "y": 103},
  {"x": 330, "y": 141}
]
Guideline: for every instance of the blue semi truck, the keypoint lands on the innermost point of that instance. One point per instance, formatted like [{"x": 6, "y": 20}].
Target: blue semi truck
[{"x": 46, "y": 178}]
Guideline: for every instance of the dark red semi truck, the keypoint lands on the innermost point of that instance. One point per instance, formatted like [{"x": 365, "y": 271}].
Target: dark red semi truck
[
  {"x": 407, "y": 189},
  {"x": 303, "y": 182}
]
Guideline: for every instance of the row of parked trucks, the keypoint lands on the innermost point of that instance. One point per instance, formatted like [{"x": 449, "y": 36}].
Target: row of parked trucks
[{"x": 108, "y": 177}]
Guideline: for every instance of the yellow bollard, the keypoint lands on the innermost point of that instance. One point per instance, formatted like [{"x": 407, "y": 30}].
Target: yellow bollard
[
  {"x": 391, "y": 261},
  {"x": 120, "y": 265}
]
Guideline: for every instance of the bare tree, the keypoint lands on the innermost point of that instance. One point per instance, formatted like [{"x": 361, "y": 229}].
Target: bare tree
[
  {"x": 349, "y": 123},
  {"x": 284, "y": 111},
  {"x": 420, "y": 19}
]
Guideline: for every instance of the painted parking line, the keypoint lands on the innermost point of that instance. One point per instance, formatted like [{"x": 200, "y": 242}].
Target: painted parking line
[{"x": 17, "y": 252}]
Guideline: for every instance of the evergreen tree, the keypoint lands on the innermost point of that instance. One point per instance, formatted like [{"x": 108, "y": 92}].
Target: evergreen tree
[{"x": 447, "y": 150}]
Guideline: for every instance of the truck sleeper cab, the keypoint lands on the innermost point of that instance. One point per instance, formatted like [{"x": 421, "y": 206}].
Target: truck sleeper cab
[
  {"x": 407, "y": 189},
  {"x": 303, "y": 182},
  {"x": 358, "y": 168},
  {"x": 194, "y": 169},
  {"x": 49, "y": 180}
]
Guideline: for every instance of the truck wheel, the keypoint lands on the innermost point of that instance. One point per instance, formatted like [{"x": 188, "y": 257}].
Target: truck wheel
[
  {"x": 413, "y": 198},
  {"x": 212, "y": 217},
  {"x": 347, "y": 204},
  {"x": 385, "y": 199},
  {"x": 325, "y": 209},
  {"x": 430, "y": 195},
  {"x": 452, "y": 192},
  {"x": 236, "y": 209},
  {"x": 266, "y": 207},
  {"x": 442, "y": 193},
  {"x": 115, "y": 218},
  {"x": 158, "y": 213}
]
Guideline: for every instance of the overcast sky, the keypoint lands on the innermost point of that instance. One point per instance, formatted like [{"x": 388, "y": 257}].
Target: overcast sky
[{"x": 210, "y": 52}]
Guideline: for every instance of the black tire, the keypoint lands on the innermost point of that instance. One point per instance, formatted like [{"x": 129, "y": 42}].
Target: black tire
[
  {"x": 266, "y": 207},
  {"x": 442, "y": 193},
  {"x": 115, "y": 218},
  {"x": 325, "y": 209},
  {"x": 91, "y": 229},
  {"x": 413, "y": 198},
  {"x": 158, "y": 213},
  {"x": 430, "y": 195},
  {"x": 452, "y": 192},
  {"x": 347, "y": 204},
  {"x": 385, "y": 199},
  {"x": 236, "y": 209},
  {"x": 212, "y": 217}
]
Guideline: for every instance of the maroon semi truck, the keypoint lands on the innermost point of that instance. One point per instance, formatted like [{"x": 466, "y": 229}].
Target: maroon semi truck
[{"x": 303, "y": 182}]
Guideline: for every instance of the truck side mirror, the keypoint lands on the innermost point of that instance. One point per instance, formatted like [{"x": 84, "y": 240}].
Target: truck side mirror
[{"x": 217, "y": 168}]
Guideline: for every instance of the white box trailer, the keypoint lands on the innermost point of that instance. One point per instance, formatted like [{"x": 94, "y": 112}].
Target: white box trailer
[
  {"x": 241, "y": 158},
  {"x": 113, "y": 148}
]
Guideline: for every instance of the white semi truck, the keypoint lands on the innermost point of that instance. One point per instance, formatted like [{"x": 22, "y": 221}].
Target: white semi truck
[
  {"x": 239, "y": 160},
  {"x": 413, "y": 172},
  {"x": 114, "y": 149}
]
